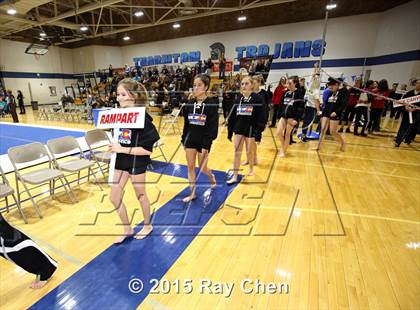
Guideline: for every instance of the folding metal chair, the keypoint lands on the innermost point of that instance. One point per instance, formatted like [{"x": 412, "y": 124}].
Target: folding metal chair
[
  {"x": 50, "y": 113},
  {"x": 158, "y": 145},
  {"x": 6, "y": 190},
  {"x": 172, "y": 121},
  {"x": 95, "y": 140},
  {"x": 25, "y": 156},
  {"x": 42, "y": 114},
  {"x": 64, "y": 147},
  {"x": 75, "y": 115}
]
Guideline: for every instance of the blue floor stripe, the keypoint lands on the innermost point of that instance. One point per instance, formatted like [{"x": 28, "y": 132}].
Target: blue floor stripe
[
  {"x": 103, "y": 282},
  {"x": 12, "y": 135}
]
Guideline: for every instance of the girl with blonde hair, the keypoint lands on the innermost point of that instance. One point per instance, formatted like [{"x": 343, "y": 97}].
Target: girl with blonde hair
[
  {"x": 245, "y": 120},
  {"x": 133, "y": 149}
]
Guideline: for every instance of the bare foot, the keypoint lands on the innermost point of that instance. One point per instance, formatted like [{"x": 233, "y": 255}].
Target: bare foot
[
  {"x": 281, "y": 154},
  {"x": 343, "y": 147},
  {"x": 125, "y": 235},
  {"x": 247, "y": 163},
  {"x": 231, "y": 181},
  {"x": 144, "y": 232},
  {"x": 250, "y": 174},
  {"x": 213, "y": 182},
  {"x": 189, "y": 198},
  {"x": 37, "y": 284}
]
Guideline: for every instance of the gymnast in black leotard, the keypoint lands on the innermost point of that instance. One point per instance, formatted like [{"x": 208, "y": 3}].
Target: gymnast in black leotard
[
  {"x": 292, "y": 107},
  {"x": 201, "y": 122},
  {"x": 334, "y": 106},
  {"x": 246, "y": 119}
]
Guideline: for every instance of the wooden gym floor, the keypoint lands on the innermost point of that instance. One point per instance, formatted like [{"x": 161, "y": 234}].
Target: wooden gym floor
[{"x": 340, "y": 229}]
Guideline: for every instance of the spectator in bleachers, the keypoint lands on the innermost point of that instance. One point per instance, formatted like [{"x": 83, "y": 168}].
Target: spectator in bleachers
[
  {"x": 228, "y": 99},
  {"x": 222, "y": 66},
  {"x": 199, "y": 66},
  {"x": 113, "y": 99},
  {"x": 209, "y": 67},
  {"x": 127, "y": 70},
  {"x": 260, "y": 67}
]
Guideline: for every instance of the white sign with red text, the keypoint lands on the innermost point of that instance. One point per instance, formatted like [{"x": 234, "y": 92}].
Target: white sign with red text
[
  {"x": 405, "y": 101},
  {"x": 120, "y": 118},
  {"x": 410, "y": 100}
]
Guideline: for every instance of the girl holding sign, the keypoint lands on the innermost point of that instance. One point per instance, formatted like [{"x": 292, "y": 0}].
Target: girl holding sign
[
  {"x": 133, "y": 150},
  {"x": 246, "y": 119},
  {"x": 201, "y": 122},
  {"x": 293, "y": 105}
]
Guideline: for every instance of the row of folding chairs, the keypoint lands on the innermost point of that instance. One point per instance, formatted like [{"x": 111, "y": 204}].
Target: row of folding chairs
[
  {"x": 27, "y": 157},
  {"x": 54, "y": 112},
  {"x": 72, "y": 113},
  {"x": 31, "y": 155}
]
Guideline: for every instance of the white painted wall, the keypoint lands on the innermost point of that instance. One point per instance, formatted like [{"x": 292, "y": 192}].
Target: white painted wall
[
  {"x": 398, "y": 31},
  {"x": 106, "y": 55},
  {"x": 14, "y": 59},
  {"x": 94, "y": 57},
  {"x": 399, "y": 72},
  {"x": 83, "y": 59},
  {"x": 66, "y": 60}
]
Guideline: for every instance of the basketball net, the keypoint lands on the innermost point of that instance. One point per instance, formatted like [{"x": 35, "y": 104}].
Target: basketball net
[{"x": 37, "y": 57}]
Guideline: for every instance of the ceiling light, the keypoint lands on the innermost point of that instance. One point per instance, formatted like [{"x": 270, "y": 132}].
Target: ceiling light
[
  {"x": 43, "y": 34},
  {"x": 84, "y": 28},
  {"x": 242, "y": 18},
  {"x": 138, "y": 14},
  {"x": 126, "y": 38},
  {"x": 176, "y": 25},
  {"x": 331, "y": 6},
  {"x": 11, "y": 11}
]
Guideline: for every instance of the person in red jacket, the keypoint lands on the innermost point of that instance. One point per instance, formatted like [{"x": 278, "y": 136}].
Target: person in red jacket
[
  {"x": 278, "y": 94},
  {"x": 377, "y": 106},
  {"x": 350, "y": 111}
]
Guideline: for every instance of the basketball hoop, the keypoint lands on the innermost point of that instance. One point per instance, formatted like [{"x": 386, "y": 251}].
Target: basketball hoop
[{"x": 37, "y": 50}]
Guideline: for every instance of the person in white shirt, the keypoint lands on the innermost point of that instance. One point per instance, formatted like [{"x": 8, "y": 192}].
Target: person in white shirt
[
  {"x": 312, "y": 98},
  {"x": 362, "y": 108}
]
